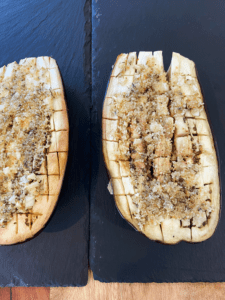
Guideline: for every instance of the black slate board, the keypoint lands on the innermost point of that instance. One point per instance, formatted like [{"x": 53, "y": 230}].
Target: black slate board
[
  {"x": 196, "y": 29},
  {"x": 58, "y": 256}
]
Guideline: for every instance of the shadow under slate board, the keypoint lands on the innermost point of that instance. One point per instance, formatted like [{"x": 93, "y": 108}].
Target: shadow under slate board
[
  {"x": 58, "y": 256},
  {"x": 196, "y": 29}
]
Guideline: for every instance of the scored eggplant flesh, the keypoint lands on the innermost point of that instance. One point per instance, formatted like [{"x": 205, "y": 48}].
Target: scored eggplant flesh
[
  {"x": 159, "y": 149},
  {"x": 33, "y": 146}
]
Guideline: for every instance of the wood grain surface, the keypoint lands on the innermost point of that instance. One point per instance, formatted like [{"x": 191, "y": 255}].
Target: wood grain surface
[
  {"x": 5, "y": 293},
  {"x": 29, "y": 293},
  {"x": 96, "y": 290}
]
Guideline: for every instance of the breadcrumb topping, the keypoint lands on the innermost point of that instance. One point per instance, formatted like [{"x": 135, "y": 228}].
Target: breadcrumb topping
[
  {"x": 163, "y": 155},
  {"x": 25, "y": 134}
]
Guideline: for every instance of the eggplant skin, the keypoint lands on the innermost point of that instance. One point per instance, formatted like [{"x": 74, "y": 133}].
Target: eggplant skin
[{"x": 189, "y": 127}]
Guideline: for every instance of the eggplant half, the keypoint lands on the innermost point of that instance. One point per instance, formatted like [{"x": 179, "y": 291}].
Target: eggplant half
[{"x": 159, "y": 149}]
